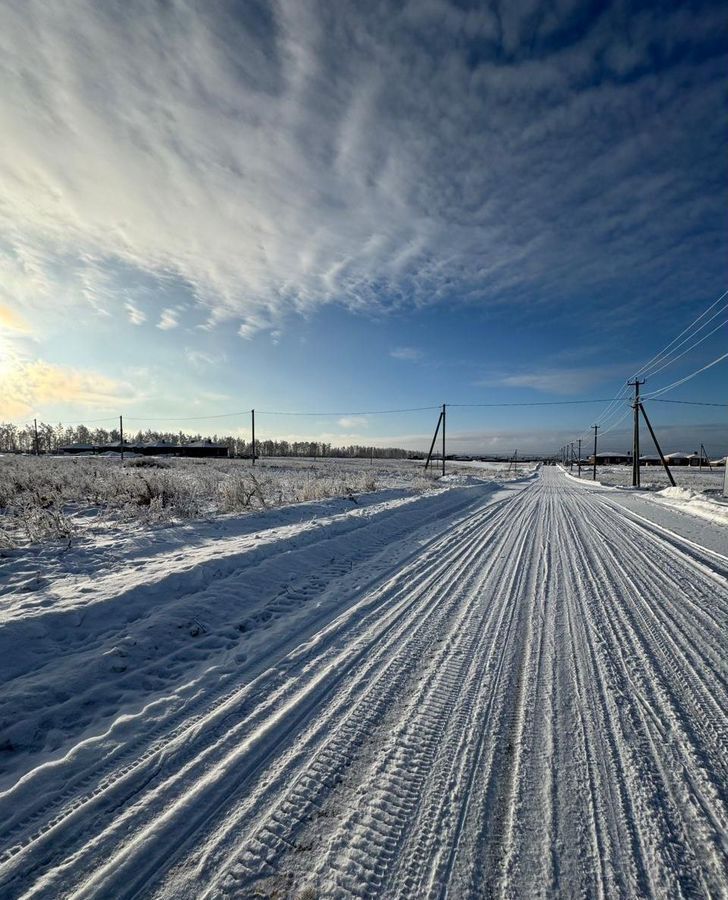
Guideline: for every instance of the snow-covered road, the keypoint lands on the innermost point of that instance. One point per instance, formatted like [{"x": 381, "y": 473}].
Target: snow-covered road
[{"x": 525, "y": 696}]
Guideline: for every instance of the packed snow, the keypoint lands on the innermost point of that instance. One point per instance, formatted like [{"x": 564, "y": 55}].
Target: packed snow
[{"x": 485, "y": 685}]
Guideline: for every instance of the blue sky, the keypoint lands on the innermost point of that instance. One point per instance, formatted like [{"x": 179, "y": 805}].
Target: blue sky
[{"x": 347, "y": 207}]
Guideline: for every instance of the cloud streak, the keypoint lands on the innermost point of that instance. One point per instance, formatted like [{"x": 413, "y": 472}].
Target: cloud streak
[
  {"x": 277, "y": 163},
  {"x": 409, "y": 354}
]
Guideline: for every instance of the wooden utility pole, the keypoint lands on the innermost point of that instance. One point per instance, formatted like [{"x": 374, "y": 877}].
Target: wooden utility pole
[
  {"x": 657, "y": 447},
  {"x": 594, "y": 466},
  {"x": 252, "y": 427},
  {"x": 434, "y": 438},
  {"x": 443, "y": 438},
  {"x": 636, "y": 432},
  {"x": 578, "y": 461},
  {"x": 704, "y": 455},
  {"x": 121, "y": 437},
  {"x": 571, "y": 456},
  {"x": 37, "y": 443}
]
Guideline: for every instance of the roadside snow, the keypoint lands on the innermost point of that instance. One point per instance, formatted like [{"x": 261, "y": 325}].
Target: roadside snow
[{"x": 696, "y": 503}]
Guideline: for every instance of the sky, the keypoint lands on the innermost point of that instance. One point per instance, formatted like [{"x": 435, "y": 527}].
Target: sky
[{"x": 352, "y": 207}]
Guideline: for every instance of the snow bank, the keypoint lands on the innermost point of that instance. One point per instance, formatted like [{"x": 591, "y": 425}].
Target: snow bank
[{"x": 699, "y": 504}]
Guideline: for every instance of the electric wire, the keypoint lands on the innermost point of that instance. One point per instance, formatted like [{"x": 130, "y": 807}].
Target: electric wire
[
  {"x": 686, "y": 402},
  {"x": 684, "y": 331},
  {"x": 674, "y": 359},
  {"x": 669, "y": 387},
  {"x": 662, "y": 360}
]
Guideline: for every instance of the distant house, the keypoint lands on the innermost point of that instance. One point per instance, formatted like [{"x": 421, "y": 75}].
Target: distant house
[
  {"x": 205, "y": 449},
  {"x": 649, "y": 460},
  {"x": 677, "y": 459},
  {"x": 611, "y": 459},
  {"x": 73, "y": 449},
  {"x": 160, "y": 448}
]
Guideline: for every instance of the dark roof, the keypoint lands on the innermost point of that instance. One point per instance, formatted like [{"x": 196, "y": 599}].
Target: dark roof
[{"x": 206, "y": 444}]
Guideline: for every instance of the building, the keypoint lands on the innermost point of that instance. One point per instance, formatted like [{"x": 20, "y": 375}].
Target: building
[
  {"x": 202, "y": 449},
  {"x": 75, "y": 449},
  {"x": 677, "y": 459},
  {"x": 650, "y": 460},
  {"x": 610, "y": 458},
  {"x": 205, "y": 449},
  {"x": 159, "y": 448}
]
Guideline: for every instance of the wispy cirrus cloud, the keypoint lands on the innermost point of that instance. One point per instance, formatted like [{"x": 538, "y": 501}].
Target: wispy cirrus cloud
[
  {"x": 168, "y": 320},
  {"x": 136, "y": 316},
  {"x": 559, "y": 380},
  {"x": 410, "y": 354},
  {"x": 271, "y": 159},
  {"x": 203, "y": 361}
]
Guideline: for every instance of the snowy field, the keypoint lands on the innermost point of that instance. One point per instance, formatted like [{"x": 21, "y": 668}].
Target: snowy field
[
  {"x": 697, "y": 491},
  {"x": 62, "y": 497},
  {"x": 464, "y": 688},
  {"x": 654, "y": 478}
]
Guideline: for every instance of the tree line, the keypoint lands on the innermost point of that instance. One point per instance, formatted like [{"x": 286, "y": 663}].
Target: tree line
[{"x": 22, "y": 439}]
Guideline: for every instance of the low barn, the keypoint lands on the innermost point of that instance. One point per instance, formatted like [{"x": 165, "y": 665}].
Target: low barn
[
  {"x": 205, "y": 449},
  {"x": 611, "y": 459},
  {"x": 677, "y": 459},
  {"x": 72, "y": 449},
  {"x": 650, "y": 460}
]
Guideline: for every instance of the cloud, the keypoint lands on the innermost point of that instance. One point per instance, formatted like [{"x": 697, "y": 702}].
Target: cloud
[
  {"x": 29, "y": 385},
  {"x": 136, "y": 315},
  {"x": 202, "y": 361},
  {"x": 272, "y": 160},
  {"x": 560, "y": 380},
  {"x": 406, "y": 353},
  {"x": 353, "y": 422},
  {"x": 168, "y": 319}
]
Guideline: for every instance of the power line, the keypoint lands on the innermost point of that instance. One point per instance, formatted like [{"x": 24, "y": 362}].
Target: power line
[
  {"x": 660, "y": 357},
  {"x": 686, "y": 402},
  {"x": 534, "y": 403},
  {"x": 691, "y": 347},
  {"x": 684, "y": 331},
  {"x": 662, "y": 360},
  {"x": 376, "y": 412},
  {"x": 680, "y": 381},
  {"x": 618, "y": 422}
]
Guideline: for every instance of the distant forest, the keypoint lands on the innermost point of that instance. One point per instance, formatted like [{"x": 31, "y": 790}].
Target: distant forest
[{"x": 21, "y": 439}]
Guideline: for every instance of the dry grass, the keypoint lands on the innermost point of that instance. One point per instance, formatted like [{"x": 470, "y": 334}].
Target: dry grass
[{"x": 45, "y": 498}]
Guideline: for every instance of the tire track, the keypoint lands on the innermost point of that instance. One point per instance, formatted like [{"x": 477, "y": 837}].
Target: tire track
[{"x": 208, "y": 742}]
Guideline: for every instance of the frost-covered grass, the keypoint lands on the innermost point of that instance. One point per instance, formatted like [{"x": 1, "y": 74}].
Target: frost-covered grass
[
  {"x": 50, "y": 497},
  {"x": 53, "y": 497}
]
